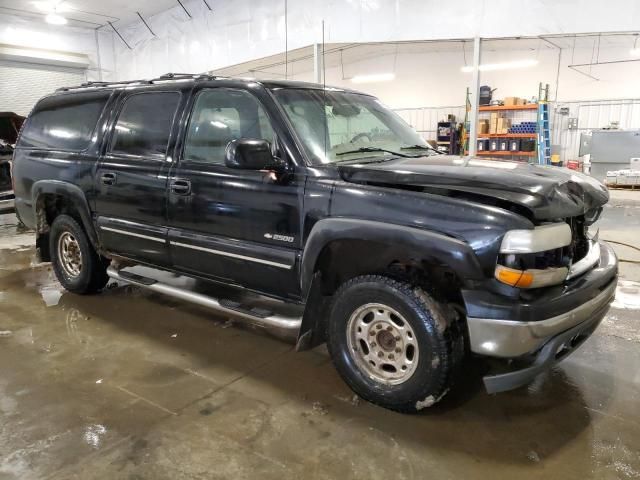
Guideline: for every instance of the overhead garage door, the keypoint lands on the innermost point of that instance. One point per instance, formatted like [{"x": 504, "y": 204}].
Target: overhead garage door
[{"x": 23, "y": 84}]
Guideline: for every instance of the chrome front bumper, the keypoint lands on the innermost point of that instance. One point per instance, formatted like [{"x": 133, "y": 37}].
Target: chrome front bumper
[{"x": 511, "y": 338}]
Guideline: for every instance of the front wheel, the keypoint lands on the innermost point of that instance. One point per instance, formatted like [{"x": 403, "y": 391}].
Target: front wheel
[
  {"x": 393, "y": 344},
  {"x": 76, "y": 264}
]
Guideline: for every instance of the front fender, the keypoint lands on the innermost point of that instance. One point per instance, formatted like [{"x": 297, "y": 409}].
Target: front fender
[{"x": 424, "y": 244}]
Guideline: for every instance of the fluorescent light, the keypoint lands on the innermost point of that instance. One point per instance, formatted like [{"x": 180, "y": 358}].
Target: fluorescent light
[
  {"x": 55, "y": 19},
  {"x": 635, "y": 52},
  {"x": 53, "y": 10},
  {"x": 487, "y": 67},
  {"x": 376, "y": 77}
]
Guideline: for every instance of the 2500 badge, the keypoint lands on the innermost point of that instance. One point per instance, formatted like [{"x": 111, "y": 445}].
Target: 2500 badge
[{"x": 277, "y": 236}]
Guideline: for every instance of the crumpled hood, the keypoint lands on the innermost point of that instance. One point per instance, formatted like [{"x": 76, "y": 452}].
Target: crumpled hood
[{"x": 547, "y": 191}]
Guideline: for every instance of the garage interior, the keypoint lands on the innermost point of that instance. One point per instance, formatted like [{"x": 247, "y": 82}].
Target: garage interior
[{"x": 132, "y": 384}]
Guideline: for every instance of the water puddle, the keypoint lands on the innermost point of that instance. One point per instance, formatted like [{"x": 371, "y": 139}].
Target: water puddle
[
  {"x": 93, "y": 435},
  {"x": 51, "y": 294},
  {"x": 627, "y": 295},
  {"x": 18, "y": 241}
]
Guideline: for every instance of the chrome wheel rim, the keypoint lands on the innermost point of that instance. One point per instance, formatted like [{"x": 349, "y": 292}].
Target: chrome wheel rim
[
  {"x": 382, "y": 344},
  {"x": 69, "y": 254}
]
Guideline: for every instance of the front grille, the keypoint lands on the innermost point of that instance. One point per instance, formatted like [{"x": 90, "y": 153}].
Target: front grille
[{"x": 579, "y": 241}]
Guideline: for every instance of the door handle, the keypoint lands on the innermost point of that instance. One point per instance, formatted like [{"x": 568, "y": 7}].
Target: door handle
[
  {"x": 108, "y": 178},
  {"x": 181, "y": 187}
]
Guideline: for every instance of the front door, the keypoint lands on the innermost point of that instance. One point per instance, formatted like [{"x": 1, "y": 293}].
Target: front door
[
  {"x": 131, "y": 178},
  {"x": 236, "y": 226}
]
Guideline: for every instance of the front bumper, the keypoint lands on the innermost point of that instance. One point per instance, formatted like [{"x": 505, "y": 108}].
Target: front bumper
[{"x": 541, "y": 328}]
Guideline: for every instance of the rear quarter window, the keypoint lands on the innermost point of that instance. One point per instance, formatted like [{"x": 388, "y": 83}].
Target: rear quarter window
[{"x": 63, "y": 122}]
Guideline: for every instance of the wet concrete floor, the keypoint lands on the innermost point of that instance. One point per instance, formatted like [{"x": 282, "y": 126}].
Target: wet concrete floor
[{"x": 131, "y": 385}]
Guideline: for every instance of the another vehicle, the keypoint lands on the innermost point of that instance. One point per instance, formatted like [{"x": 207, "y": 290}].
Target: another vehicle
[
  {"x": 402, "y": 260},
  {"x": 10, "y": 124}
]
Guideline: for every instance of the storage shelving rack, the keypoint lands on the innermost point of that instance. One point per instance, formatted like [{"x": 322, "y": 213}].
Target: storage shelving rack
[
  {"x": 447, "y": 136},
  {"x": 542, "y": 135},
  {"x": 529, "y": 107}
]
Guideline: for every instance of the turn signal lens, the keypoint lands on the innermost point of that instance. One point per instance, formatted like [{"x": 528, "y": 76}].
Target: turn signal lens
[
  {"x": 532, "y": 278},
  {"x": 515, "y": 278}
]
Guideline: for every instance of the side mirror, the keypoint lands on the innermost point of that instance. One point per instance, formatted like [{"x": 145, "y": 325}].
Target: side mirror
[{"x": 251, "y": 154}]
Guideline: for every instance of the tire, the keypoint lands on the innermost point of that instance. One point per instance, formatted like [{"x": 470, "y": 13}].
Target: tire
[
  {"x": 426, "y": 350},
  {"x": 89, "y": 274}
]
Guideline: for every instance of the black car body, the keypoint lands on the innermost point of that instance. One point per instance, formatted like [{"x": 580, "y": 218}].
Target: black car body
[{"x": 275, "y": 215}]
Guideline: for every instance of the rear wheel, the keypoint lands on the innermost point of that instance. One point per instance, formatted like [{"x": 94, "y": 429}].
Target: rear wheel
[
  {"x": 394, "y": 344},
  {"x": 76, "y": 264}
]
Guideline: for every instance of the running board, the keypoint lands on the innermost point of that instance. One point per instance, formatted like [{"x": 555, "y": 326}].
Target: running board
[{"x": 280, "y": 324}]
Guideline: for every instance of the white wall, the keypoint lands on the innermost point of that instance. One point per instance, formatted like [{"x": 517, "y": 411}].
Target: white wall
[
  {"x": 38, "y": 35},
  {"x": 23, "y": 84},
  {"x": 242, "y": 30},
  {"x": 435, "y": 79}
]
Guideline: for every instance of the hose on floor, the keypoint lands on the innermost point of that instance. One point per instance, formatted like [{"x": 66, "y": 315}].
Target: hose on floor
[{"x": 624, "y": 245}]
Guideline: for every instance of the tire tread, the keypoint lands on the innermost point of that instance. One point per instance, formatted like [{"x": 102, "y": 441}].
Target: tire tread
[
  {"x": 450, "y": 349},
  {"x": 96, "y": 274}
]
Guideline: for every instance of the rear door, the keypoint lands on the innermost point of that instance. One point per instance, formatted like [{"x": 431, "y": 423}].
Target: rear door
[
  {"x": 238, "y": 226},
  {"x": 131, "y": 179}
]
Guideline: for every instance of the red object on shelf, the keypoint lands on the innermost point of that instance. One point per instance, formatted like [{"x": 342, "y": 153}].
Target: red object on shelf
[{"x": 573, "y": 164}]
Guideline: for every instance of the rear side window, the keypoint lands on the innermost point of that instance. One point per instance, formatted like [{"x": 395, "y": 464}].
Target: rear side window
[
  {"x": 64, "y": 122},
  {"x": 144, "y": 124}
]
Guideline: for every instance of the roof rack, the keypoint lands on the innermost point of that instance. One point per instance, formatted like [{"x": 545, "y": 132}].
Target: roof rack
[{"x": 167, "y": 77}]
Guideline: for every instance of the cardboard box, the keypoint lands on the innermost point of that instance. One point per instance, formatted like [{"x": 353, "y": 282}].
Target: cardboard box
[
  {"x": 511, "y": 101},
  {"x": 503, "y": 125},
  {"x": 521, "y": 101},
  {"x": 493, "y": 121},
  {"x": 483, "y": 126}
]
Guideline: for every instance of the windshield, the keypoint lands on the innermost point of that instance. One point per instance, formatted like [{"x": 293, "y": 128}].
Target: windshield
[{"x": 337, "y": 126}]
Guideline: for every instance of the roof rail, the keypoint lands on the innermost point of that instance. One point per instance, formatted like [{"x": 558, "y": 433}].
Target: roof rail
[
  {"x": 177, "y": 76},
  {"x": 162, "y": 78},
  {"x": 103, "y": 84}
]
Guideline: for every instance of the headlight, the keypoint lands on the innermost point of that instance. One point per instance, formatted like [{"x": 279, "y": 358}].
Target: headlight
[
  {"x": 540, "y": 239},
  {"x": 534, "y": 258}
]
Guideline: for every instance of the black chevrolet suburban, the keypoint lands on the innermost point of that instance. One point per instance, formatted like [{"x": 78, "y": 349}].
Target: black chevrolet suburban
[{"x": 404, "y": 261}]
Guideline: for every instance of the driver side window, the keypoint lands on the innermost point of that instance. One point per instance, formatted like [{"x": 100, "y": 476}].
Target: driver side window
[{"x": 219, "y": 116}]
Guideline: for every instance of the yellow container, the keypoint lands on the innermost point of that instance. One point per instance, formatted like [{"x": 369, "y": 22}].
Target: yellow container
[{"x": 555, "y": 158}]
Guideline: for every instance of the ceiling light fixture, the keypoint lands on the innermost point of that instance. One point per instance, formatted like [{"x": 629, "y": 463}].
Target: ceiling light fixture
[
  {"x": 51, "y": 6},
  {"x": 502, "y": 66},
  {"x": 55, "y": 19},
  {"x": 53, "y": 10},
  {"x": 376, "y": 77}
]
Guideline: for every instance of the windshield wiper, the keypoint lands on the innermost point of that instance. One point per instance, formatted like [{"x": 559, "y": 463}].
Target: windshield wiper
[
  {"x": 373, "y": 149},
  {"x": 420, "y": 147}
]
